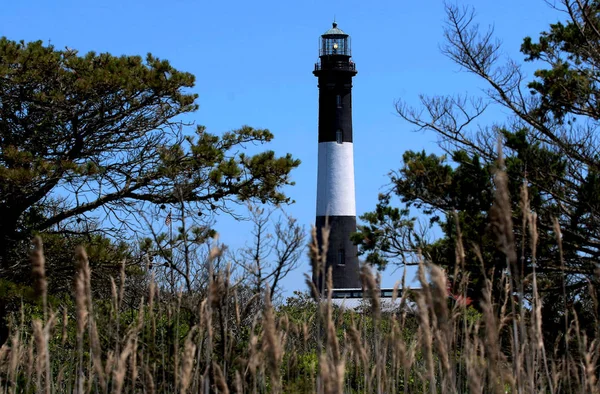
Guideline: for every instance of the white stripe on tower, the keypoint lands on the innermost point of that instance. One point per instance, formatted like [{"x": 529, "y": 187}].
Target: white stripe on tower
[{"x": 335, "y": 180}]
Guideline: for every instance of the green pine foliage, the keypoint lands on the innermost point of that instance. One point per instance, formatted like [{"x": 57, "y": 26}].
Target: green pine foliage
[{"x": 88, "y": 142}]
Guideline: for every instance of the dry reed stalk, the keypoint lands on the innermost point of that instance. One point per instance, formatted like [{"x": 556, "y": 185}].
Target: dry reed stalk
[
  {"x": 84, "y": 304},
  {"x": 459, "y": 251},
  {"x": 332, "y": 375},
  {"x": 189, "y": 353},
  {"x": 502, "y": 226},
  {"x": 208, "y": 314},
  {"x": 4, "y": 354},
  {"x": 114, "y": 296},
  {"x": 65, "y": 324},
  {"x": 369, "y": 283},
  {"x": 504, "y": 317},
  {"x": 396, "y": 289},
  {"x": 220, "y": 381},
  {"x": 199, "y": 342},
  {"x": 122, "y": 277},
  {"x": 525, "y": 357},
  {"x": 215, "y": 251},
  {"x": 357, "y": 346},
  {"x": 42, "y": 349},
  {"x": 305, "y": 333},
  {"x": 41, "y": 334},
  {"x": 474, "y": 361},
  {"x": 30, "y": 366},
  {"x": 206, "y": 323},
  {"x": 151, "y": 295},
  {"x": 115, "y": 313},
  {"x": 16, "y": 353},
  {"x": 581, "y": 342},
  {"x": 537, "y": 332},
  {"x": 314, "y": 292},
  {"x": 271, "y": 344},
  {"x": 236, "y": 303},
  {"x": 590, "y": 358},
  {"x": 409, "y": 361},
  {"x": 558, "y": 235},
  {"x": 133, "y": 366},
  {"x": 425, "y": 328},
  {"x": 396, "y": 345},
  {"x": 38, "y": 271},
  {"x": 224, "y": 312},
  {"x": 110, "y": 362},
  {"x": 403, "y": 308},
  {"x": 327, "y": 310},
  {"x": 525, "y": 221},
  {"x": 501, "y": 212},
  {"x": 239, "y": 383},
  {"x": 128, "y": 353},
  {"x": 151, "y": 292},
  {"x": 491, "y": 349},
  {"x": 284, "y": 329},
  {"x": 94, "y": 337},
  {"x": 317, "y": 256},
  {"x": 96, "y": 353},
  {"x": 443, "y": 330},
  {"x": 460, "y": 284},
  {"x": 150, "y": 388},
  {"x": 536, "y": 329},
  {"x": 215, "y": 288},
  {"x": 254, "y": 356},
  {"x": 175, "y": 338},
  {"x": 81, "y": 310},
  {"x": 60, "y": 377},
  {"x": 121, "y": 367}
]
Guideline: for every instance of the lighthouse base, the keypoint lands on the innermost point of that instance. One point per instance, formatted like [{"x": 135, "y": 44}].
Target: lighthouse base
[{"x": 342, "y": 254}]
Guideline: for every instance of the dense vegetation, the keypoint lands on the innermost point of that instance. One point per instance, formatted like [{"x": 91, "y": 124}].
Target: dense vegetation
[
  {"x": 232, "y": 339},
  {"x": 93, "y": 150},
  {"x": 551, "y": 150},
  {"x": 126, "y": 287}
]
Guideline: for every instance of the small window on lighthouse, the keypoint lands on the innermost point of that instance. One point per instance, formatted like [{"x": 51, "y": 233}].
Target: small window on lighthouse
[
  {"x": 338, "y": 100},
  {"x": 338, "y": 136},
  {"x": 341, "y": 258}
]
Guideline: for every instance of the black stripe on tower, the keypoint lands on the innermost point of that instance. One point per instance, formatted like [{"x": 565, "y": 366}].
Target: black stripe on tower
[
  {"x": 342, "y": 254},
  {"x": 335, "y": 108}
]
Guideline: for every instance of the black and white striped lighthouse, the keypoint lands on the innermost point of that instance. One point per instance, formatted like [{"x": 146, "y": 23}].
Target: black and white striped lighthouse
[{"x": 335, "y": 180}]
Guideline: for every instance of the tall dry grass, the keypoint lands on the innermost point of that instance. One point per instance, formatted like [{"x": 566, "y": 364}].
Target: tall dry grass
[{"x": 231, "y": 341}]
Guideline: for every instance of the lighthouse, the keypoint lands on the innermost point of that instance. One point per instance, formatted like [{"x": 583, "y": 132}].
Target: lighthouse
[{"x": 336, "y": 205}]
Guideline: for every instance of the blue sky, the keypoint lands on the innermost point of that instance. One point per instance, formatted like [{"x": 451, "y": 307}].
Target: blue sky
[{"x": 253, "y": 64}]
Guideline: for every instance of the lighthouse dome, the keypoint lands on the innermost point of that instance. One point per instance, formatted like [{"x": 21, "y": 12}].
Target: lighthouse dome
[{"x": 335, "y": 31}]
